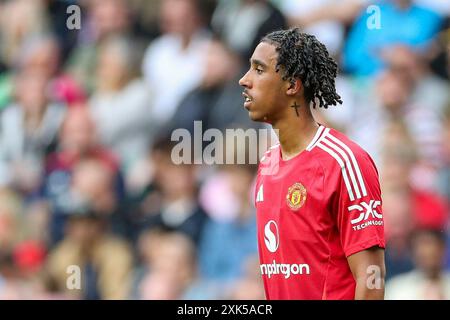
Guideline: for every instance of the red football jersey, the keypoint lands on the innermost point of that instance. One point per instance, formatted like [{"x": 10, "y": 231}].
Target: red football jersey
[{"x": 313, "y": 211}]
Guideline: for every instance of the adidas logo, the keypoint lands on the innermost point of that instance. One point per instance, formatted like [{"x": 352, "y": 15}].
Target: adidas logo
[{"x": 260, "y": 194}]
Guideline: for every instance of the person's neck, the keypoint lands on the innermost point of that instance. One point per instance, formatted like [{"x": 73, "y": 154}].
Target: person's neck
[
  {"x": 433, "y": 274},
  {"x": 295, "y": 133},
  {"x": 188, "y": 37},
  {"x": 403, "y": 5},
  {"x": 33, "y": 120}
]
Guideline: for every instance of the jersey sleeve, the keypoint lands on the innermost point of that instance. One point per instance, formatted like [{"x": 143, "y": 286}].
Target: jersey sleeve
[{"x": 358, "y": 205}]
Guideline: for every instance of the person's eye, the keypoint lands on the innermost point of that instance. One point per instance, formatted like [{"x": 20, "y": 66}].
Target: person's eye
[{"x": 259, "y": 70}]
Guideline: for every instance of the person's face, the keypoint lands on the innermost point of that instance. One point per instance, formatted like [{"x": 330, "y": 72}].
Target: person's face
[
  {"x": 83, "y": 230},
  {"x": 78, "y": 132},
  {"x": 174, "y": 251},
  {"x": 219, "y": 65},
  {"x": 429, "y": 253},
  {"x": 110, "y": 16},
  {"x": 45, "y": 57},
  {"x": 240, "y": 181},
  {"x": 31, "y": 91},
  {"x": 392, "y": 91},
  {"x": 405, "y": 63},
  {"x": 94, "y": 183},
  {"x": 265, "y": 90},
  {"x": 403, "y": 4},
  {"x": 398, "y": 215},
  {"x": 178, "y": 16},
  {"x": 177, "y": 180},
  {"x": 111, "y": 69}
]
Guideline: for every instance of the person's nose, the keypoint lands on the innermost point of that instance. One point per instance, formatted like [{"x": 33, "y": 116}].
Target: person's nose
[{"x": 245, "y": 81}]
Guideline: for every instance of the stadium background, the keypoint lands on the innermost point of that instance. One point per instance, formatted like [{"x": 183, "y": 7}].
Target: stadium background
[{"x": 86, "y": 177}]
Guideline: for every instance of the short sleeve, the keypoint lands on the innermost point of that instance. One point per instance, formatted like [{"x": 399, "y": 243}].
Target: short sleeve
[{"x": 358, "y": 205}]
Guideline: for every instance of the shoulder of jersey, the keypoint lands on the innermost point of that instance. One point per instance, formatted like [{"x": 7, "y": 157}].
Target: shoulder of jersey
[
  {"x": 270, "y": 153},
  {"x": 339, "y": 155},
  {"x": 329, "y": 142}
]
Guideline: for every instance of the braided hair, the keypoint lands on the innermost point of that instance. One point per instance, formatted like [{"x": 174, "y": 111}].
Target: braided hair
[{"x": 303, "y": 57}]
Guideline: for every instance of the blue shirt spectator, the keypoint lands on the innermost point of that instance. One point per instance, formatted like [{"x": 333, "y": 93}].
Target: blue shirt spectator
[
  {"x": 412, "y": 25},
  {"x": 225, "y": 246}
]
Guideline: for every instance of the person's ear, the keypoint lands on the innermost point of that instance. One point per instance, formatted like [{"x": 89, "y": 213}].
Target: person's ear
[{"x": 294, "y": 87}]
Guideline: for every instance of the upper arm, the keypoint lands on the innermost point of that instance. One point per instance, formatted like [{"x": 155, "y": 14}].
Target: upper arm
[
  {"x": 368, "y": 262},
  {"x": 368, "y": 269}
]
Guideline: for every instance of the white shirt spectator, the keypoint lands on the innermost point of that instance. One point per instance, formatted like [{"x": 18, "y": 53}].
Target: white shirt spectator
[
  {"x": 172, "y": 71},
  {"x": 439, "y": 6},
  {"x": 123, "y": 121},
  {"x": 330, "y": 33},
  {"x": 370, "y": 122},
  {"x": 18, "y": 147},
  {"x": 415, "y": 286}
]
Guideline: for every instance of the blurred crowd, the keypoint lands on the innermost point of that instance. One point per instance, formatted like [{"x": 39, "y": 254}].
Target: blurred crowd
[{"x": 86, "y": 116}]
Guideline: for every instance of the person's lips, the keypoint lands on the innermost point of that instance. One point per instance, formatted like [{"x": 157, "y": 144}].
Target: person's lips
[{"x": 248, "y": 100}]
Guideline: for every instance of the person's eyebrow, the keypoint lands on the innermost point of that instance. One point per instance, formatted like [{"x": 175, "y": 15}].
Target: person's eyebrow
[{"x": 258, "y": 63}]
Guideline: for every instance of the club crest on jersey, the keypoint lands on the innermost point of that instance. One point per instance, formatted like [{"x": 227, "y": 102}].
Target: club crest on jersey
[{"x": 296, "y": 196}]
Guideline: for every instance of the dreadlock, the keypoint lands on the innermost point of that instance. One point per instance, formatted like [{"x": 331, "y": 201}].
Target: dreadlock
[{"x": 303, "y": 57}]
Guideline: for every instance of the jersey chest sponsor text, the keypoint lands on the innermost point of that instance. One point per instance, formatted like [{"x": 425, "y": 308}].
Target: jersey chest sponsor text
[{"x": 272, "y": 244}]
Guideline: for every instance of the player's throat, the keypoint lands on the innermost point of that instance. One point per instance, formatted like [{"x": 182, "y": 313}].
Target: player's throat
[{"x": 295, "y": 137}]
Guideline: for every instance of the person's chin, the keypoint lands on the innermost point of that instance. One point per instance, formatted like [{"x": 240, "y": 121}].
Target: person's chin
[
  {"x": 256, "y": 116},
  {"x": 254, "y": 113}
]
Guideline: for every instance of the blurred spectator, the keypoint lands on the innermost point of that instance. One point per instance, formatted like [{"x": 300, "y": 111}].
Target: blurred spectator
[
  {"x": 105, "y": 261},
  {"x": 94, "y": 186},
  {"x": 77, "y": 142},
  {"x": 19, "y": 21},
  {"x": 405, "y": 207},
  {"x": 6, "y": 89},
  {"x": 443, "y": 7},
  {"x": 242, "y": 23},
  {"x": 174, "y": 198},
  {"x": 328, "y": 30},
  {"x": 248, "y": 286},
  {"x": 44, "y": 53},
  {"x": 145, "y": 17},
  {"x": 29, "y": 256},
  {"x": 440, "y": 53},
  {"x": 146, "y": 248},
  {"x": 104, "y": 18},
  {"x": 393, "y": 101},
  {"x": 173, "y": 63},
  {"x": 121, "y": 105},
  {"x": 444, "y": 173},
  {"x": 402, "y": 22},
  {"x": 28, "y": 131},
  {"x": 36, "y": 224},
  {"x": 11, "y": 231},
  {"x": 15, "y": 264},
  {"x": 429, "y": 280},
  {"x": 399, "y": 219},
  {"x": 57, "y": 12},
  {"x": 217, "y": 101},
  {"x": 235, "y": 237},
  {"x": 427, "y": 90},
  {"x": 11, "y": 286},
  {"x": 170, "y": 269},
  {"x": 428, "y": 208},
  {"x": 148, "y": 198}
]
